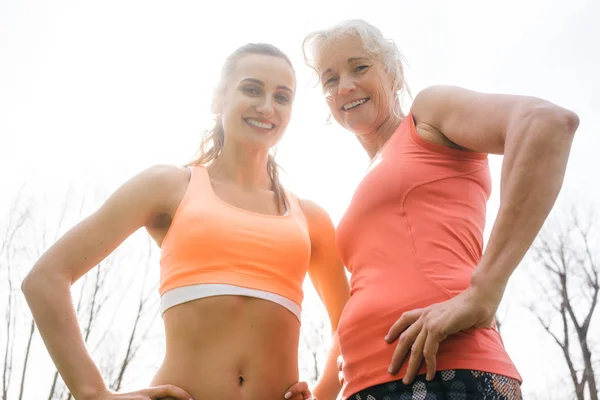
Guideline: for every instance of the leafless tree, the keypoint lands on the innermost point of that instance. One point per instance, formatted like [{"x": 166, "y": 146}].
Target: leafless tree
[
  {"x": 313, "y": 345},
  {"x": 26, "y": 359},
  {"x": 96, "y": 291},
  {"x": 145, "y": 305},
  {"x": 565, "y": 252},
  {"x": 42, "y": 237},
  {"x": 10, "y": 249},
  {"x": 25, "y": 234}
]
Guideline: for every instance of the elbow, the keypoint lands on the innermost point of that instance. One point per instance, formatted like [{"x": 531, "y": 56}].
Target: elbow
[
  {"x": 566, "y": 120},
  {"x": 38, "y": 280},
  {"x": 28, "y": 284},
  {"x": 572, "y": 120},
  {"x": 551, "y": 119},
  {"x": 543, "y": 128}
]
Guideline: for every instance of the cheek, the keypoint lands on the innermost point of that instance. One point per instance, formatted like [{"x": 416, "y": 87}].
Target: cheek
[
  {"x": 285, "y": 113},
  {"x": 231, "y": 108},
  {"x": 384, "y": 98},
  {"x": 230, "y": 119},
  {"x": 331, "y": 104}
]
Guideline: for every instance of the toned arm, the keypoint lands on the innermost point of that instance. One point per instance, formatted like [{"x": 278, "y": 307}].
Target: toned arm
[
  {"x": 47, "y": 287},
  {"x": 329, "y": 279},
  {"x": 535, "y": 138}
]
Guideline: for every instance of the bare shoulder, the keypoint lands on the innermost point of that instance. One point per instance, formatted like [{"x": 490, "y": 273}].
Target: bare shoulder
[
  {"x": 155, "y": 191},
  {"x": 434, "y": 103},
  {"x": 161, "y": 178},
  {"x": 432, "y": 98},
  {"x": 317, "y": 218},
  {"x": 164, "y": 177},
  {"x": 439, "y": 111},
  {"x": 165, "y": 185},
  {"x": 425, "y": 100},
  {"x": 313, "y": 211}
]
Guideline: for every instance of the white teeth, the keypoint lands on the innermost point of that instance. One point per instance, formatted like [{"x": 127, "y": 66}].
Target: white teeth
[
  {"x": 260, "y": 124},
  {"x": 354, "y": 104}
]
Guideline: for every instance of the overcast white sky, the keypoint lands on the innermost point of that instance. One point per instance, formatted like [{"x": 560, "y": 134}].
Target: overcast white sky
[{"x": 93, "y": 92}]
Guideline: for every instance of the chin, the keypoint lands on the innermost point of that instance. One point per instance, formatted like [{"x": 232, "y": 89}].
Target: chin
[
  {"x": 358, "y": 128},
  {"x": 355, "y": 123},
  {"x": 263, "y": 144}
]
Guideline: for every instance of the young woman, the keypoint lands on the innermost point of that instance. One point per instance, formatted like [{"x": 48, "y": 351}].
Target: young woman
[{"x": 235, "y": 248}]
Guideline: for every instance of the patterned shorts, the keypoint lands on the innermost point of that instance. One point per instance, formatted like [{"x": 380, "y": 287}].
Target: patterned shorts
[{"x": 447, "y": 385}]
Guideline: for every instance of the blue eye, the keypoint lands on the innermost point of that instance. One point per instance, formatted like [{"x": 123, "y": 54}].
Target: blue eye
[
  {"x": 330, "y": 81},
  {"x": 283, "y": 99},
  {"x": 361, "y": 67},
  {"x": 251, "y": 90}
]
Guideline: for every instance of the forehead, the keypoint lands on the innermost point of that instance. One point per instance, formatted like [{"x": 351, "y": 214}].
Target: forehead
[
  {"x": 271, "y": 70},
  {"x": 336, "y": 52}
]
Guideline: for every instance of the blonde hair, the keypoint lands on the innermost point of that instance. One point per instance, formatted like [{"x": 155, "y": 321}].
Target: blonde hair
[
  {"x": 373, "y": 43},
  {"x": 213, "y": 139}
]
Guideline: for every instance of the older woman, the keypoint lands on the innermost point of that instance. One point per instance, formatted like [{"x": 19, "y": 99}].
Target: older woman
[{"x": 420, "y": 320}]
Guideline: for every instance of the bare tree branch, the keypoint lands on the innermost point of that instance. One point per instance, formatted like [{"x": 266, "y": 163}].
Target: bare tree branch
[
  {"x": 26, "y": 359},
  {"x": 566, "y": 254},
  {"x": 18, "y": 216},
  {"x": 132, "y": 347}
]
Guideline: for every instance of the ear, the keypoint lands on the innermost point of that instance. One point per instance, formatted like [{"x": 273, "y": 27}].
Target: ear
[
  {"x": 397, "y": 82},
  {"x": 398, "y": 78}
]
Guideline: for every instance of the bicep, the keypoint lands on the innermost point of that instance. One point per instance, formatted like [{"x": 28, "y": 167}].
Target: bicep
[
  {"x": 85, "y": 245},
  {"x": 331, "y": 283},
  {"x": 326, "y": 271},
  {"x": 475, "y": 121}
]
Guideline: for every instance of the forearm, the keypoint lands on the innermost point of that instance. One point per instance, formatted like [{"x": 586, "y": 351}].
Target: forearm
[
  {"x": 328, "y": 387},
  {"x": 535, "y": 160},
  {"x": 49, "y": 299}
]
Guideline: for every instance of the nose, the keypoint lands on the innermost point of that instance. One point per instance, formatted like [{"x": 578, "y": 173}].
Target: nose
[
  {"x": 346, "y": 85},
  {"x": 265, "y": 108}
]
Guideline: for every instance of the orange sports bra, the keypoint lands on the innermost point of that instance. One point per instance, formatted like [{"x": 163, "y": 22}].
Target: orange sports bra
[{"x": 213, "y": 248}]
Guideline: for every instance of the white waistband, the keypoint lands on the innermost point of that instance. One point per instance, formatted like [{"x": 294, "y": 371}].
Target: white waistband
[{"x": 193, "y": 292}]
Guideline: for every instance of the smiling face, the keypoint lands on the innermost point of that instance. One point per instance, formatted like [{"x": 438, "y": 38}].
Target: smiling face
[
  {"x": 358, "y": 90},
  {"x": 255, "y": 106}
]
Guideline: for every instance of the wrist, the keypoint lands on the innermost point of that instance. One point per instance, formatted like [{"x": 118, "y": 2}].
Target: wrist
[
  {"x": 483, "y": 280},
  {"x": 317, "y": 391},
  {"x": 320, "y": 392},
  {"x": 92, "y": 393},
  {"x": 486, "y": 290}
]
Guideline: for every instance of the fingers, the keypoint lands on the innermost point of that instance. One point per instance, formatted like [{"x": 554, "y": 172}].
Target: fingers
[
  {"x": 299, "y": 388},
  {"x": 405, "y": 320},
  {"x": 160, "y": 392},
  {"x": 416, "y": 357},
  {"x": 340, "y": 365},
  {"x": 432, "y": 344},
  {"x": 405, "y": 342}
]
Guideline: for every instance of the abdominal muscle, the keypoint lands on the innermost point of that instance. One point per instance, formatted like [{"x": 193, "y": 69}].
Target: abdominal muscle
[{"x": 230, "y": 347}]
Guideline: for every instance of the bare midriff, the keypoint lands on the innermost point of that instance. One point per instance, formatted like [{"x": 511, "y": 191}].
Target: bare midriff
[{"x": 230, "y": 347}]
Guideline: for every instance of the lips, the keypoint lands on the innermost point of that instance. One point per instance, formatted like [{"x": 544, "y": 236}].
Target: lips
[
  {"x": 354, "y": 104},
  {"x": 260, "y": 124}
]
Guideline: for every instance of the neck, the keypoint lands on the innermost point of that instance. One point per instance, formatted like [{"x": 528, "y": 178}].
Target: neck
[
  {"x": 374, "y": 142},
  {"x": 246, "y": 168}
]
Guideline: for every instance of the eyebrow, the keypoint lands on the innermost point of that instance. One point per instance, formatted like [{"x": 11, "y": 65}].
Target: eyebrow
[
  {"x": 351, "y": 59},
  {"x": 261, "y": 83}
]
